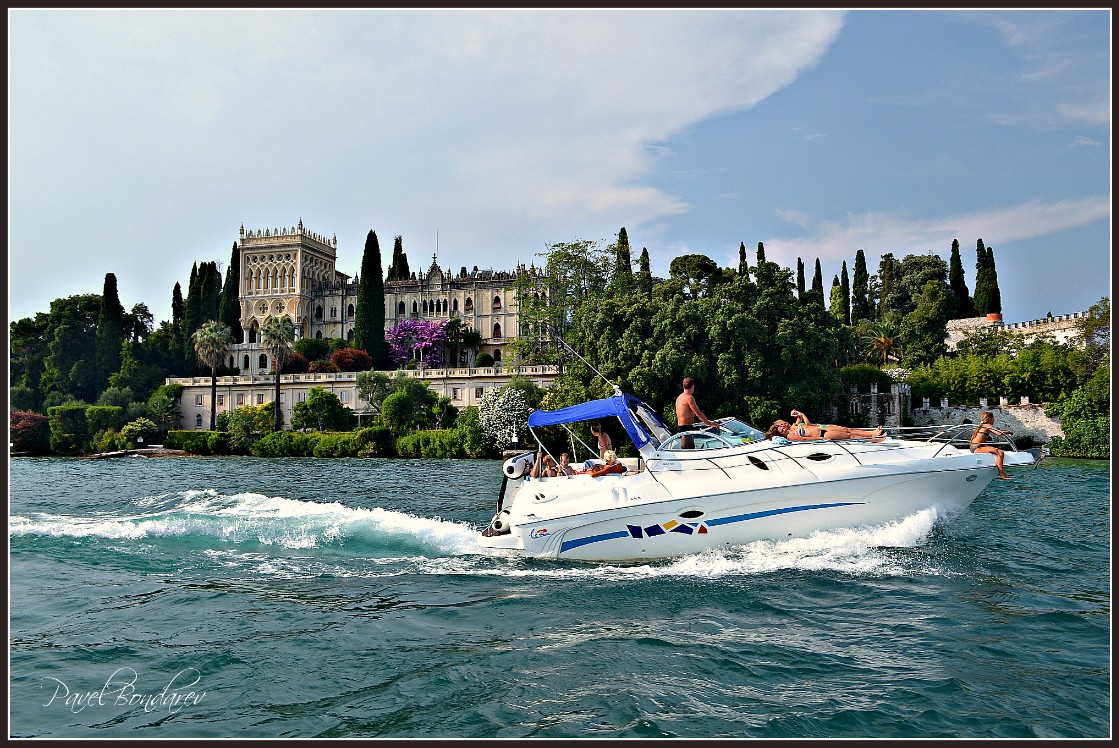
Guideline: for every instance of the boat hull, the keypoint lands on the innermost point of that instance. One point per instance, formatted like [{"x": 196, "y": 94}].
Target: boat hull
[{"x": 693, "y": 504}]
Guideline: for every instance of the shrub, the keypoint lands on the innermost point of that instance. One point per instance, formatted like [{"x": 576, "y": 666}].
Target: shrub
[
  {"x": 195, "y": 442},
  {"x": 440, "y": 443},
  {"x": 108, "y": 440},
  {"x": 69, "y": 428},
  {"x": 1090, "y": 438},
  {"x": 285, "y": 444},
  {"x": 351, "y": 359},
  {"x": 141, "y": 428},
  {"x": 375, "y": 441},
  {"x": 864, "y": 375},
  {"x": 468, "y": 432},
  {"x": 312, "y": 349},
  {"x": 29, "y": 432},
  {"x": 483, "y": 360},
  {"x": 297, "y": 363},
  {"x": 336, "y": 445},
  {"x": 104, "y": 417}
]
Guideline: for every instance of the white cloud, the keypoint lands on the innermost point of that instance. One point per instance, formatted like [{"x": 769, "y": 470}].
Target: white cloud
[{"x": 878, "y": 233}]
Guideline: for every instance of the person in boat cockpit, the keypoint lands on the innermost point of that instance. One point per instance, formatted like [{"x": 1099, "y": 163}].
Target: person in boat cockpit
[
  {"x": 544, "y": 467},
  {"x": 610, "y": 465},
  {"x": 805, "y": 430}
]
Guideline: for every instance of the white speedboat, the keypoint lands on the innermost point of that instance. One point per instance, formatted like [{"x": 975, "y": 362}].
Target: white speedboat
[{"x": 732, "y": 487}]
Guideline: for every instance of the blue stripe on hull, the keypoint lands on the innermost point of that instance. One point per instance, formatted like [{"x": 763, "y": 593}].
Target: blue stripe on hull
[{"x": 569, "y": 544}]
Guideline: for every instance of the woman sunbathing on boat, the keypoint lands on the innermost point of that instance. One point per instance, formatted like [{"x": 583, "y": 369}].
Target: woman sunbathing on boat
[{"x": 805, "y": 430}]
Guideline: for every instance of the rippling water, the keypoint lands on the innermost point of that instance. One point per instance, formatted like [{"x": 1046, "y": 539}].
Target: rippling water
[{"x": 243, "y": 597}]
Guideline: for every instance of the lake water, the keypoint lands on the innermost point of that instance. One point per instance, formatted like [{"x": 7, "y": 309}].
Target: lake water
[{"x": 250, "y": 598}]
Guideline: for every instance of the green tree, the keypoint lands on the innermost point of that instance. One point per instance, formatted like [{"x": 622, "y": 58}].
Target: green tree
[
  {"x": 860, "y": 301},
  {"x": 322, "y": 411},
  {"x": 276, "y": 338},
  {"x": 622, "y": 281},
  {"x": 743, "y": 263},
  {"x": 645, "y": 275},
  {"x": 761, "y": 253},
  {"x": 110, "y": 331},
  {"x": 178, "y": 322},
  {"x": 212, "y": 341},
  {"x": 983, "y": 286},
  {"x": 70, "y": 368},
  {"x": 881, "y": 340},
  {"x": 800, "y": 278},
  {"x": 229, "y": 311},
  {"x": 965, "y": 307},
  {"x": 192, "y": 318},
  {"x": 28, "y": 340},
  {"x": 818, "y": 283},
  {"x": 369, "y": 326},
  {"x": 835, "y": 302},
  {"x": 926, "y": 327},
  {"x": 845, "y": 289},
  {"x": 995, "y": 303},
  {"x": 247, "y": 424},
  {"x": 694, "y": 275},
  {"x": 887, "y": 272}
]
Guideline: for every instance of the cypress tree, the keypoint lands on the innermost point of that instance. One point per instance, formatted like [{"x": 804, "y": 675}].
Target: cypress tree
[
  {"x": 845, "y": 289},
  {"x": 177, "y": 322},
  {"x": 229, "y": 311},
  {"x": 622, "y": 282},
  {"x": 965, "y": 307},
  {"x": 369, "y": 319},
  {"x": 982, "y": 281},
  {"x": 886, "y": 267},
  {"x": 761, "y": 253},
  {"x": 191, "y": 319},
  {"x": 402, "y": 272},
  {"x": 800, "y": 278},
  {"x": 836, "y": 306},
  {"x": 644, "y": 275},
  {"x": 110, "y": 332},
  {"x": 996, "y": 295},
  {"x": 818, "y": 281},
  {"x": 860, "y": 300},
  {"x": 743, "y": 264},
  {"x": 209, "y": 292}
]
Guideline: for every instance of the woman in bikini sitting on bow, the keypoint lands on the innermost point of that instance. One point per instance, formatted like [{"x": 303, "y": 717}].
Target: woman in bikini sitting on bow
[{"x": 804, "y": 430}]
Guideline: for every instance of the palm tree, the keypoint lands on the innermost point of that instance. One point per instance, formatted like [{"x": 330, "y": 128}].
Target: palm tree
[
  {"x": 211, "y": 344},
  {"x": 882, "y": 338},
  {"x": 276, "y": 337}
]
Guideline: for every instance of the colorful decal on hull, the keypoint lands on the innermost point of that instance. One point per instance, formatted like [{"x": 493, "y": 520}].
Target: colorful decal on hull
[{"x": 689, "y": 528}]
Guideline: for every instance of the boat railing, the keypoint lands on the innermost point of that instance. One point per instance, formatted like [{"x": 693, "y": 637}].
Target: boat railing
[{"x": 950, "y": 435}]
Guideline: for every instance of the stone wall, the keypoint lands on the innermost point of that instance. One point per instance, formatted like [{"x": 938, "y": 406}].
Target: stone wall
[{"x": 1026, "y": 420}]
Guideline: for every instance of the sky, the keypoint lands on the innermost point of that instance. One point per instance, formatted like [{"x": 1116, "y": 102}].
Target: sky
[{"x": 140, "y": 141}]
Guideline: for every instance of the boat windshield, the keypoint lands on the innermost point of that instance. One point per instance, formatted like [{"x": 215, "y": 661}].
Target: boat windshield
[
  {"x": 731, "y": 433},
  {"x": 650, "y": 420}
]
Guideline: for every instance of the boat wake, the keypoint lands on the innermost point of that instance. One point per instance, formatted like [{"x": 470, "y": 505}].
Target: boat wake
[{"x": 271, "y": 534}]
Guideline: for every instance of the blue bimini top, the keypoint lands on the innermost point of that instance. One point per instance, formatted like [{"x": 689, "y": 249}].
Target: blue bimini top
[{"x": 636, "y": 416}]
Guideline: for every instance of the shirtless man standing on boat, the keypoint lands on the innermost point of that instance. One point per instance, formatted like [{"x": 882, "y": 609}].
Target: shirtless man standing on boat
[{"x": 687, "y": 411}]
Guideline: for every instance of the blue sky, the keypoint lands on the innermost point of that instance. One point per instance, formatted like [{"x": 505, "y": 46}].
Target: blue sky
[{"x": 141, "y": 140}]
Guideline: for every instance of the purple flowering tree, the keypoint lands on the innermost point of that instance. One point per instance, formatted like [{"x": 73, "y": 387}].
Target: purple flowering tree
[{"x": 422, "y": 340}]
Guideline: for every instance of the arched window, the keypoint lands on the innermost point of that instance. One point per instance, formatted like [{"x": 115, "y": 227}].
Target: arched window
[
  {"x": 263, "y": 361},
  {"x": 425, "y": 307},
  {"x": 252, "y": 332},
  {"x": 197, "y": 420},
  {"x": 334, "y": 312},
  {"x": 497, "y": 355},
  {"x": 318, "y": 312},
  {"x": 350, "y": 311},
  {"x": 497, "y": 329},
  {"x": 246, "y": 367},
  {"x": 400, "y": 309},
  {"x": 496, "y": 302},
  {"x": 318, "y": 334},
  {"x": 454, "y": 305},
  {"x": 415, "y": 309},
  {"x": 350, "y": 335},
  {"x": 469, "y": 305}
]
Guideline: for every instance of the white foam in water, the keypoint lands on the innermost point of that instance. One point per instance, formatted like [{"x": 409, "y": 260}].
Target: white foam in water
[
  {"x": 270, "y": 520},
  {"x": 296, "y": 524}
]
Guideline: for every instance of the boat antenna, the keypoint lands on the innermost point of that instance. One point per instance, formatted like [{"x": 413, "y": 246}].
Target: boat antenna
[{"x": 559, "y": 337}]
